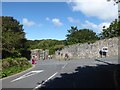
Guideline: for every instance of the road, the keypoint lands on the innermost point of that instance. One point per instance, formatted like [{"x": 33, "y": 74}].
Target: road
[{"x": 84, "y": 73}]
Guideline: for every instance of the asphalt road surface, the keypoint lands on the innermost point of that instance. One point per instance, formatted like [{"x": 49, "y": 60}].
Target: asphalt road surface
[{"x": 83, "y": 73}]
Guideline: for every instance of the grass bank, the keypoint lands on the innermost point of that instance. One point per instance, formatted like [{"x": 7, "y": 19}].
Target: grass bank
[{"x": 11, "y": 66}]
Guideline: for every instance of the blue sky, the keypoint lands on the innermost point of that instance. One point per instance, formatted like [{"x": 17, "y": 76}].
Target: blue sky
[{"x": 51, "y": 20}]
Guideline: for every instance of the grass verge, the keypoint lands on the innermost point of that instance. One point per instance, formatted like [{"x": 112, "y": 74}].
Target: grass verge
[{"x": 21, "y": 65}]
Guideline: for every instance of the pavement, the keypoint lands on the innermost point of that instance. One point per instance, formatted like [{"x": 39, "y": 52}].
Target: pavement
[{"x": 83, "y": 73}]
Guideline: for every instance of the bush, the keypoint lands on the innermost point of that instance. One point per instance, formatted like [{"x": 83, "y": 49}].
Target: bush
[
  {"x": 6, "y": 53},
  {"x": 16, "y": 54},
  {"x": 5, "y": 64},
  {"x": 26, "y": 53},
  {"x": 9, "y": 62},
  {"x": 12, "y": 66},
  {"x": 13, "y": 54}
]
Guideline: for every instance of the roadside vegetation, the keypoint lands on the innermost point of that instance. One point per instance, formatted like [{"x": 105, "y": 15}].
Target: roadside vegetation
[
  {"x": 112, "y": 31},
  {"x": 15, "y": 53},
  {"x": 12, "y": 66},
  {"x": 51, "y": 45}
]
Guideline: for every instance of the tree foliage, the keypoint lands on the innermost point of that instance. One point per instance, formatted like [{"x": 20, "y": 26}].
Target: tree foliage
[
  {"x": 13, "y": 37},
  {"x": 112, "y": 31},
  {"x": 51, "y": 45},
  {"x": 80, "y": 36}
]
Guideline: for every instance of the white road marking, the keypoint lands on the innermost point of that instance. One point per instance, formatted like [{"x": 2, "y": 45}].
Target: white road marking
[
  {"x": 46, "y": 80},
  {"x": 64, "y": 66},
  {"x": 27, "y": 75}
]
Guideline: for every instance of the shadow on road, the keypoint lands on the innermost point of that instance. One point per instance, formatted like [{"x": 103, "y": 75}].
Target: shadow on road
[{"x": 100, "y": 76}]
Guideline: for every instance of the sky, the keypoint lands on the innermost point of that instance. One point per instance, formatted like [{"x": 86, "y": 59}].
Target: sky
[{"x": 51, "y": 20}]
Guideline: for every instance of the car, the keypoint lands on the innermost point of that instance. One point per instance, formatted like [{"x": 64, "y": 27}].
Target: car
[{"x": 105, "y": 49}]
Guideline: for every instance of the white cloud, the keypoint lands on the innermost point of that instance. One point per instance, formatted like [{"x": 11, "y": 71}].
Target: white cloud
[
  {"x": 89, "y": 25},
  {"x": 28, "y": 23},
  {"x": 57, "y": 22},
  {"x": 106, "y": 24},
  {"x": 97, "y": 27},
  {"x": 72, "y": 20},
  {"x": 99, "y": 8}
]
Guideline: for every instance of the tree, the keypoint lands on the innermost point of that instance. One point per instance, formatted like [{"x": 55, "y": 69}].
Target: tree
[
  {"x": 51, "y": 45},
  {"x": 55, "y": 48},
  {"x": 80, "y": 36},
  {"x": 13, "y": 37},
  {"x": 112, "y": 31}
]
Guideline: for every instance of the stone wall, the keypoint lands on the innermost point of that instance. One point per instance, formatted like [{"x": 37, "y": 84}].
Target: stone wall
[{"x": 86, "y": 50}]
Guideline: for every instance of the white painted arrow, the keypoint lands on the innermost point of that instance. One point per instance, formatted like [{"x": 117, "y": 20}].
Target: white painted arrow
[{"x": 27, "y": 75}]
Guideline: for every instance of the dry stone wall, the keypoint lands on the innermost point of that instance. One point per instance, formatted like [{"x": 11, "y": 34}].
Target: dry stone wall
[{"x": 80, "y": 51}]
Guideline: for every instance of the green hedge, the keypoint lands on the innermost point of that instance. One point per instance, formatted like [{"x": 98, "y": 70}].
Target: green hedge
[{"x": 12, "y": 66}]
